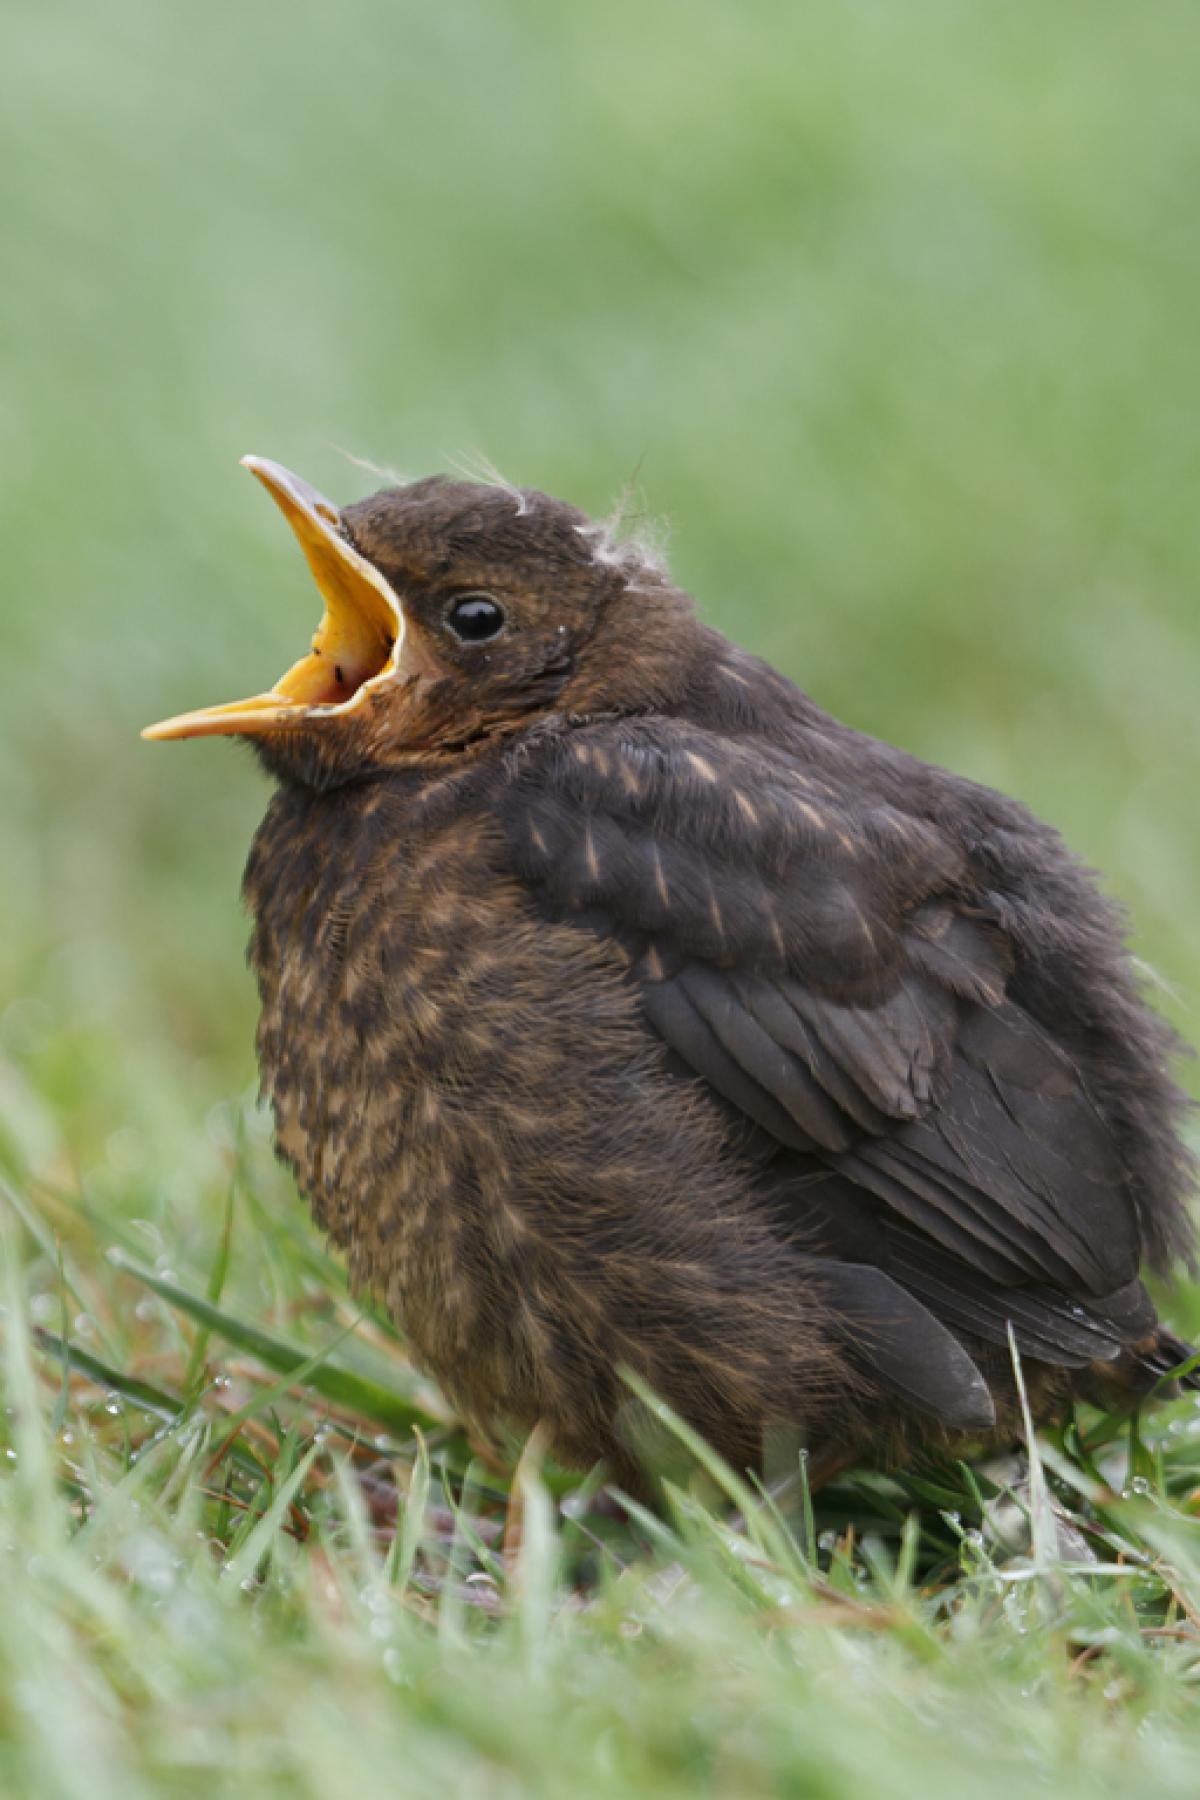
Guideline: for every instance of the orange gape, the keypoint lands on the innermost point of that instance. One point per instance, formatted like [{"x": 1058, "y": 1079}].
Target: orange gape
[{"x": 355, "y": 643}]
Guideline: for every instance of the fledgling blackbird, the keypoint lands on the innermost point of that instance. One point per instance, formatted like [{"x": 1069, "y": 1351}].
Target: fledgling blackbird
[{"x": 622, "y": 1008}]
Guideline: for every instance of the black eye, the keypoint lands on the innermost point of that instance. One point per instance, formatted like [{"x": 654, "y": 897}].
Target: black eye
[{"x": 475, "y": 617}]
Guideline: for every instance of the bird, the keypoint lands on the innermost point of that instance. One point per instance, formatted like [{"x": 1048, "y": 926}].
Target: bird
[{"x": 633, "y": 1024}]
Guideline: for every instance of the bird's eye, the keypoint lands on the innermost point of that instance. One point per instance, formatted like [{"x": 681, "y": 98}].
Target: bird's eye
[{"x": 475, "y": 617}]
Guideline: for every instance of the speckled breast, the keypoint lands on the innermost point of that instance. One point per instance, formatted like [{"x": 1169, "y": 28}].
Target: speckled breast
[
  {"x": 417, "y": 1019},
  {"x": 367, "y": 945}
]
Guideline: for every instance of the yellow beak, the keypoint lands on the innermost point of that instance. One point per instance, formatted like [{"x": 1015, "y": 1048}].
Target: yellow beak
[{"x": 357, "y": 642}]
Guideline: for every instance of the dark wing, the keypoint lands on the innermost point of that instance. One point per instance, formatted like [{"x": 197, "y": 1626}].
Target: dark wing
[{"x": 813, "y": 956}]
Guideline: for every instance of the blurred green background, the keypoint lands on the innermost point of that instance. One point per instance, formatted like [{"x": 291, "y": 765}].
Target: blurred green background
[{"x": 891, "y": 310}]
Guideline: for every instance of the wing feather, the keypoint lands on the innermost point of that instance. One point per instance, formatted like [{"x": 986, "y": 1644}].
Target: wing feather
[{"x": 813, "y": 957}]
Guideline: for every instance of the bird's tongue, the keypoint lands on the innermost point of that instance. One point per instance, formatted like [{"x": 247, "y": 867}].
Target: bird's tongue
[{"x": 356, "y": 642}]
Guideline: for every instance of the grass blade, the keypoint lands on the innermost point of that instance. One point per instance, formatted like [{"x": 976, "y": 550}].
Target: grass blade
[
  {"x": 343, "y": 1387},
  {"x": 138, "y": 1393},
  {"x": 194, "y": 1375},
  {"x": 407, "y": 1540},
  {"x": 243, "y": 1564}
]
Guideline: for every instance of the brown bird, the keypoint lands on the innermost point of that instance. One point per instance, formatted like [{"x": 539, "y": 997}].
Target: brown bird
[{"x": 622, "y": 1008}]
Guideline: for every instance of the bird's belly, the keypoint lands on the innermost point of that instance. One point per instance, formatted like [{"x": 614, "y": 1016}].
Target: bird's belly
[
  {"x": 413, "y": 1053},
  {"x": 398, "y": 1189},
  {"x": 415, "y": 1166}
]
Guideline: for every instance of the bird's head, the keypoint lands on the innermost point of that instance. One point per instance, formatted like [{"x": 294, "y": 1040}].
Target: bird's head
[{"x": 455, "y": 612}]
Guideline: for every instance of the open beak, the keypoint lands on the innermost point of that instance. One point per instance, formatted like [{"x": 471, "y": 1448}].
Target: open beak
[{"x": 357, "y": 642}]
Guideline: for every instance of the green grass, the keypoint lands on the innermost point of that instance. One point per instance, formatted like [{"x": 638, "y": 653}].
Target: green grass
[{"x": 890, "y": 310}]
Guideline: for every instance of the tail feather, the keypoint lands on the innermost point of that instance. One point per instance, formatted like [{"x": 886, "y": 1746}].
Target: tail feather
[{"x": 1168, "y": 1357}]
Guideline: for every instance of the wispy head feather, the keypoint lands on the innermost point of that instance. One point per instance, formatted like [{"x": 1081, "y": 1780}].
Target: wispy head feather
[
  {"x": 475, "y": 466},
  {"x": 628, "y": 540},
  {"x": 393, "y": 477}
]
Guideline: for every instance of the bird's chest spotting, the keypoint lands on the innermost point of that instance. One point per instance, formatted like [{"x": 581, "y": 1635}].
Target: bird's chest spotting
[{"x": 375, "y": 950}]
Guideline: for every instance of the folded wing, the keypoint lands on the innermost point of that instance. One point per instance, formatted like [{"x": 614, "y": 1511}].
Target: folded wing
[{"x": 820, "y": 962}]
